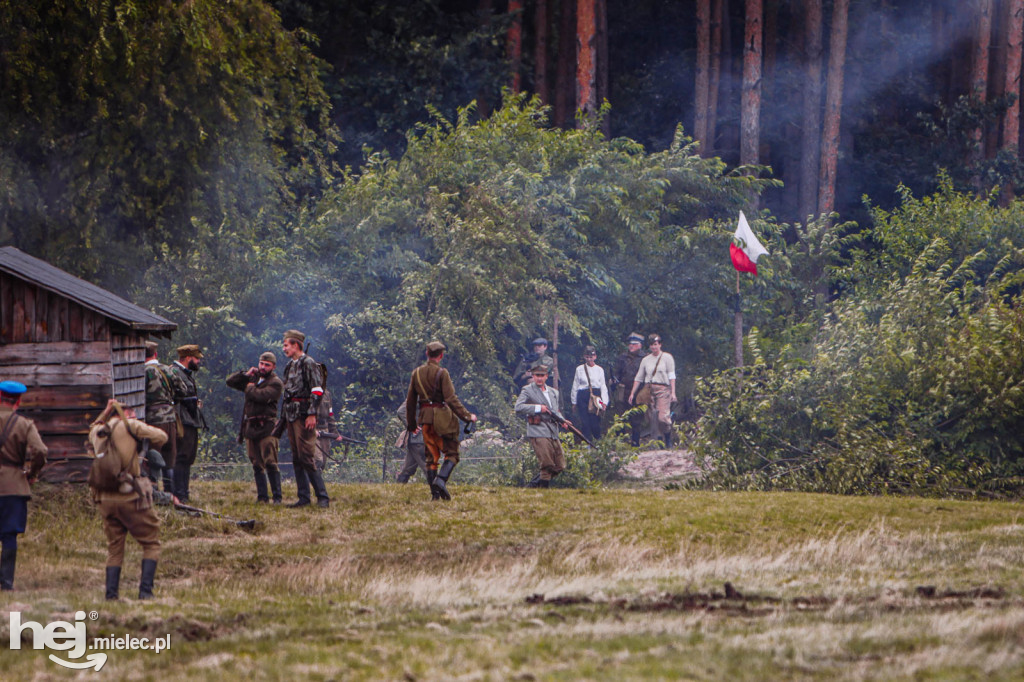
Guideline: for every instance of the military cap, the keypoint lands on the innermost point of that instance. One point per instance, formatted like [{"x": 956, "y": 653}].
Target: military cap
[
  {"x": 295, "y": 335},
  {"x": 589, "y": 350},
  {"x": 151, "y": 347},
  {"x": 189, "y": 350},
  {"x": 12, "y": 387},
  {"x": 539, "y": 368},
  {"x": 435, "y": 346},
  {"x": 635, "y": 338},
  {"x": 539, "y": 340},
  {"x": 268, "y": 357}
]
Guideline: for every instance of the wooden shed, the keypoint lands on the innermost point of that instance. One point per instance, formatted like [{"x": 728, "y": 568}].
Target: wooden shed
[{"x": 74, "y": 345}]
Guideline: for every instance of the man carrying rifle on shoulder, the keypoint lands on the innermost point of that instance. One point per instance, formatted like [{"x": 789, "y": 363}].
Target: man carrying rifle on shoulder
[{"x": 538, "y": 404}]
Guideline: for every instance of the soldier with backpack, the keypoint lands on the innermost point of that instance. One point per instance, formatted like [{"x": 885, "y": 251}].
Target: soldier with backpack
[
  {"x": 22, "y": 455},
  {"x": 122, "y": 494}
]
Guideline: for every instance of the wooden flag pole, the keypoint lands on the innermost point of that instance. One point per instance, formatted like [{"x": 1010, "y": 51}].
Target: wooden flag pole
[{"x": 738, "y": 324}]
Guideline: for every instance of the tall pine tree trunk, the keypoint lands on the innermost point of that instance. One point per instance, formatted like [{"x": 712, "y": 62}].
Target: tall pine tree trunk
[
  {"x": 484, "y": 9},
  {"x": 703, "y": 76},
  {"x": 514, "y": 44},
  {"x": 1011, "y": 119},
  {"x": 715, "y": 77},
  {"x": 810, "y": 137},
  {"x": 541, "y": 21},
  {"x": 979, "y": 80},
  {"x": 565, "y": 76},
  {"x": 833, "y": 107},
  {"x": 750, "y": 104},
  {"x": 601, "y": 12},
  {"x": 586, "y": 58}
]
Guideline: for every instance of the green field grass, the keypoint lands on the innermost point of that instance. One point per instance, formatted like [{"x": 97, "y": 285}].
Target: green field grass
[{"x": 513, "y": 584}]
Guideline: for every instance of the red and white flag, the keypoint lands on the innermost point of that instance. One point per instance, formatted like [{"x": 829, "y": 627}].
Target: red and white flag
[{"x": 745, "y": 249}]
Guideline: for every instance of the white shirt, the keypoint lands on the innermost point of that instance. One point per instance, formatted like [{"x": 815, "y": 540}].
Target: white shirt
[
  {"x": 666, "y": 369},
  {"x": 547, "y": 397},
  {"x": 579, "y": 381}
]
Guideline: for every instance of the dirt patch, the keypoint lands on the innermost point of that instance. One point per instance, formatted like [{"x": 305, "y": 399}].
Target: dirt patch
[{"x": 661, "y": 464}]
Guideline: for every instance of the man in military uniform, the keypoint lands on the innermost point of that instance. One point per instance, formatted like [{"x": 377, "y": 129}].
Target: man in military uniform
[
  {"x": 326, "y": 428},
  {"x": 128, "y": 510},
  {"x": 190, "y": 414},
  {"x": 303, "y": 393},
  {"x": 432, "y": 391},
  {"x": 262, "y": 389},
  {"x": 415, "y": 452},
  {"x": 539, "y": 355},
  {"x": 626, "y": 367},
  {"x": 160, "y": 410},
  {"x": 20, "y": 447},
  {"x": 538, "y": 404}
]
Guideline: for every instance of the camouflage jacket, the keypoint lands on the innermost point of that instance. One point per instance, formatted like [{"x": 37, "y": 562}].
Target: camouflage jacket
[
  {"x": 159, "y": 394},
  {"x": 303, "y": 388}
]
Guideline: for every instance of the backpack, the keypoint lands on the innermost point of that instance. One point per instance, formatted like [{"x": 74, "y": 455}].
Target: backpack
[{"x": 109, "y": 470}]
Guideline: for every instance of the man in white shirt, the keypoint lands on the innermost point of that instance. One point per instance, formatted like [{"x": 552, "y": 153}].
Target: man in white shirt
[
  {"x": 589, "y": 381},
  {"x": 538, "y": 404},
  {"x": 658, "y": 370}
]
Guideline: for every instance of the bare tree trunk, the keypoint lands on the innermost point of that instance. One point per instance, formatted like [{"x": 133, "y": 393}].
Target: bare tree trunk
[
  {"x": 485, "y": 10},
  {"x": 833, "y": 107},
  {"x": 514, "y": 44},
  {"x": 601, "y": 11},
  {"x": 586, "y": 58},
  {"x": 810, "y": 138},
  {"x": 979, "y": 78},
  {"x": 565, "y": 77},
  {"x": 541, "y": 21},
  {"x": 1011, "y": 119},
  {"x": 750, "y": 106},
  {"x": 702, "y": 94},
  {"x": 715, "y": 76}
]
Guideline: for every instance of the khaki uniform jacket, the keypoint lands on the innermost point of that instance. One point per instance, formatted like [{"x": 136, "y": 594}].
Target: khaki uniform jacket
[
  {"x": 23, "y": 447},
  {"x": 437, "y": 389},
  {"x": 124, "y": 446},
  {"x": 259, "y": 414},
  {"x": 526, "y": 403}
]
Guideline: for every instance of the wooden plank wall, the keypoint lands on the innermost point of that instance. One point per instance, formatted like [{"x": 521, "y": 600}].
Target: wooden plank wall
[
  {"x": 128, "y": 356},
  {"x": 62, "y": 352}
]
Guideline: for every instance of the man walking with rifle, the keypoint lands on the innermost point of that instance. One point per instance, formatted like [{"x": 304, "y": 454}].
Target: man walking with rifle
[{"x": 538, "y": 404}]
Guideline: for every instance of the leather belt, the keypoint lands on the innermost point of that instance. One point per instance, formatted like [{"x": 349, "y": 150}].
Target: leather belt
[
  {"x": 431, "y": 404},
  {"x": 298, "y": 400}
]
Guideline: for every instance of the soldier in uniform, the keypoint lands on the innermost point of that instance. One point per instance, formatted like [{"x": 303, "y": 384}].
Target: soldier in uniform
[
  {"x": 190, "y": 413},
  {"x": 262, "y": 388},
  {"x": 415, "y": 452},
  {"x": 160, "y": 410},
  {"x": 326, "y": 428},
  {"x": 129, "y": 511},
  {"x": 538, "y": 404},
  {"x": 303, "y": 393},
  {"x": 431, "y": 389},
  {"x": 626, "y": 367},
  {"x": 22, "y": 455},
  {"x": 540, "y": 355}
]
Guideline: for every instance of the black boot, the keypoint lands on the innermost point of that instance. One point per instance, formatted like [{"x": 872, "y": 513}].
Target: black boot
[
  {"x": 668, "y": 439},
  {"x": 535, "y": 482},
  {"x": 168, "y": 476},
  {"x": 274, "y": 476},
  {"x": 261, "y": 485},
  {"x": 113, "y": 582},
  {"x": 146, "y": 581},
  {"x": 440, "y": 484},
  {"x": 402, "y": 478},
  {"x": 8, "y": 558},
  {"x": 319, "y": 488},
  {"x": 431, "y": 475}
]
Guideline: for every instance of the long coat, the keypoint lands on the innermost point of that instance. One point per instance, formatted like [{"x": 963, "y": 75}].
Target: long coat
[
  {"x": 22, "y": 448},
  {"x": 526, "y": 403}
]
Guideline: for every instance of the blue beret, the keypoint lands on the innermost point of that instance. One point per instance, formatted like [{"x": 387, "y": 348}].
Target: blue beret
[
  {"x": 12, "y": 387},
  {"x": 539, "y": 340}
]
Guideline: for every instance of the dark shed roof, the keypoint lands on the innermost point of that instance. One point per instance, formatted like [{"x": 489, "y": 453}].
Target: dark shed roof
[{"x": 42, "y": 274}]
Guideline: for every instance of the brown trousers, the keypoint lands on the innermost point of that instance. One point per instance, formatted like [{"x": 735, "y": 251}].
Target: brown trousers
[
  {"x": 169, "y": 450},
  {"x": 549, "y": 456},
  {"x": 437, "y": 445},
  {"x": 303, "y": 443},
  {"x": 122, "y": 518},
  {"x": 262, "y": 453},
  {"x": 658, "y": 411}
]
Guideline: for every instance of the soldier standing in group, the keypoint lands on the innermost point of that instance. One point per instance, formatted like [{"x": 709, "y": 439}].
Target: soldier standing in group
[
  {"x": 431, "y": 389},
  {"x": 415, "y": 451},
  {"x": 262, "y": 389},
  {"x": 160, "y": 410},
  {"x": 539, "y": 355},
  {"x": 20, "y": 447},
  {"x": 326, "y": 428},
  {"x": 626, "y": 367},
  {"x": 303, "y": 393},
  {"x": 190, "y": 414},
  {"x": 127, "y": 510},
  {"x": 538, "y": 404}
]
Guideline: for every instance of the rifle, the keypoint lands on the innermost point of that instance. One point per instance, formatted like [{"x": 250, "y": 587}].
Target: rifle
[
  {"x": 564, "y": 423},
  {"x": 345, "y": 440},
  {"x": 248, "y": 524}
]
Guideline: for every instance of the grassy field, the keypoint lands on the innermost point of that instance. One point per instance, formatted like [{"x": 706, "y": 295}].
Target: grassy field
[{"x": 512, "y": 584}]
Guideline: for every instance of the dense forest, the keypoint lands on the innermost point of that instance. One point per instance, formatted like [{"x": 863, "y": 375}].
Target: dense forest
[{"x": 382, "y": 173}]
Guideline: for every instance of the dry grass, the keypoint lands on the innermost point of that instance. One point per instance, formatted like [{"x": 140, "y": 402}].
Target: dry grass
[{"x": 388, "y": 585}]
